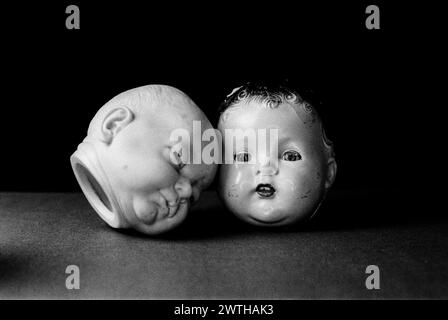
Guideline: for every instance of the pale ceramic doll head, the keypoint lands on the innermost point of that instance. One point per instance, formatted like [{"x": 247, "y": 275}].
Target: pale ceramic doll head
[
  {"x": 277, "y": 189},
  {"x": 125, "y": 166}
]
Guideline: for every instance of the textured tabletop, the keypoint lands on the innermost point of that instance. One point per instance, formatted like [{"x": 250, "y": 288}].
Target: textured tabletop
[{"x": 212, "y": 255}]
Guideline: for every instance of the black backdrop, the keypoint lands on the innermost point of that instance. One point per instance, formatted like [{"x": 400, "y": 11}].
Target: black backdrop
[{"x": 56, "y": 79}]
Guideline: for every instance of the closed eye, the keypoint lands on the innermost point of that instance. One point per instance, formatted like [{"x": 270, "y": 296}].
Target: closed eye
[{"x": 176, "y": 159}]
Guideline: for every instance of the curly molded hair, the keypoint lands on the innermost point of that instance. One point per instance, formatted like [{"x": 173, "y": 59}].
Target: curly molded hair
[{"x": 271, "y": 95}]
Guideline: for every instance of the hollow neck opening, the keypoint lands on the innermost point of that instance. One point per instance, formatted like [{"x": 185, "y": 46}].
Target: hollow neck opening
[{"x": 93, "y": 189}]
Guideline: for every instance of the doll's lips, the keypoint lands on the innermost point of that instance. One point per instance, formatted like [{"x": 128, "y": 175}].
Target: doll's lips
[
  {"x": 174, "y": 207},
  {"x": 265, "y": 190}
]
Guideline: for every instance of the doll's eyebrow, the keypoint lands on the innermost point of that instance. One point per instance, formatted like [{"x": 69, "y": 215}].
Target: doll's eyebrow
[
  {"x": 287, "y": 143},
  {"x": 284, "y": 140}
]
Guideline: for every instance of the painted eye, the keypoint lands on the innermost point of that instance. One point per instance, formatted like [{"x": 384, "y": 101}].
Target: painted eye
[
  {"x": 242, "y": 157},
  {"x": 291, "y": 155}
]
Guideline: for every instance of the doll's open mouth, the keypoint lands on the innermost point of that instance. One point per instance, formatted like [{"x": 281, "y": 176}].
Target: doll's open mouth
[{"x": 265, "y": 190}]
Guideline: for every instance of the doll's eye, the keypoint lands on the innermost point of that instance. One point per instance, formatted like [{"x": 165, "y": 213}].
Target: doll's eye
[
  {"x": 242, "y": 157},
  {"x": 291, "y": 155}
]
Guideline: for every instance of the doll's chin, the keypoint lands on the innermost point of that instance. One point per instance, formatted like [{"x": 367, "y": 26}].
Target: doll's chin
[
  {"x": 277, "y": 222},
  {"x": 272, "y": 218},
  {"x": 268, "y": 223}
]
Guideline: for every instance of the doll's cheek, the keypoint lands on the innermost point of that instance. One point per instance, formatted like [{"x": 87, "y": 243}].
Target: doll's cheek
[
  {"x": 244, "y": 186},
  {"x": 290, "y": 186},
  {"x": 232, "y": 191},
  {"x": 239, "y": 174},
  {"x": 146, "y": 211}
]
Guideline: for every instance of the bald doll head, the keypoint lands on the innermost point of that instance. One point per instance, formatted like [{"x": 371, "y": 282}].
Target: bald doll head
[{"x": 125, "y": 165}]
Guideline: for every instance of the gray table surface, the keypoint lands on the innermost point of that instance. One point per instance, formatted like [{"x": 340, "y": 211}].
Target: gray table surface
[{"x": 213, "y": 256}]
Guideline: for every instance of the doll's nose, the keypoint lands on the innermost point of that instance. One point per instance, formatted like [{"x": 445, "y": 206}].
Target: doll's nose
[
  {"x": 267, "y": 167},
  {"x": 183, "y": 188}
]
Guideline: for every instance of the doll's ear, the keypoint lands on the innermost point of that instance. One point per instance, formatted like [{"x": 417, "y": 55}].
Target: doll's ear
[
  {"x": 331, "y": 172},
  {"x": 114, "y": 122}
]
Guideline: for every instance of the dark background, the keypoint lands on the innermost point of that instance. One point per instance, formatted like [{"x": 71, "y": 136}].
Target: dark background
[{"x": 369, "y": 81}]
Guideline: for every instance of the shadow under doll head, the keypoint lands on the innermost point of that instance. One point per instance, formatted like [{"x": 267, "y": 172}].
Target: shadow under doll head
[
  {"x": 285, "y": 181},
  {"x": 125, "y": 165}
]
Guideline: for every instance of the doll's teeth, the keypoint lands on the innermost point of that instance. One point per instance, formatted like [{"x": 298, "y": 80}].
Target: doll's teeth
[{"x": 265, "y": 190}]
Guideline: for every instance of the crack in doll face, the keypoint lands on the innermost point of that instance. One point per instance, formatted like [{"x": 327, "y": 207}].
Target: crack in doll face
[{"x": 280, "y": 186}]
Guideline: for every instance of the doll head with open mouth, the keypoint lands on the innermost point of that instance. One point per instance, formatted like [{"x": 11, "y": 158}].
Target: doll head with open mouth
[
  {"x": 127, "y": 167},
  {"x": 285, "y": 180}
]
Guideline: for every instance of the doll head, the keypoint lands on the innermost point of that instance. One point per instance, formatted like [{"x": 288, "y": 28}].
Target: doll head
[
  {"x": 126, "y": 168},
  {"x": 284, "y": 179}
]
